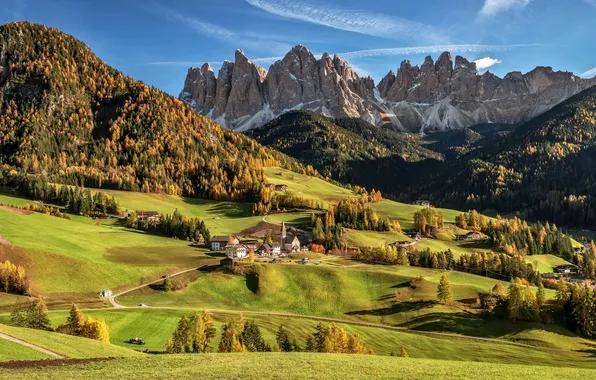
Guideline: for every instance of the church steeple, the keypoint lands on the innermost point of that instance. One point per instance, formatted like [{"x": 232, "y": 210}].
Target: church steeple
[{"x": 283, "y": 233}]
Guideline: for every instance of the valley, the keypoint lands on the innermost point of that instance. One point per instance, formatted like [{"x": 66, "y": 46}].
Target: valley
[{"x": 141, "y": 236}]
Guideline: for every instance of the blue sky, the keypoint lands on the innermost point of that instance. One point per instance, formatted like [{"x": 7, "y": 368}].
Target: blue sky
[{"x": 156, "y": 41}]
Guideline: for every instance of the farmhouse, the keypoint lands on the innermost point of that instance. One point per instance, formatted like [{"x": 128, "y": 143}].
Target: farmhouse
[
  {"x": 422, "y": 202},
  {"x": 149, "y": 216},
  {"x": 236, "y": 251},
  {"x": 218, "y": 243},
  {"x": 414, "y": 235},
  {"x": 250, "y": 244},
  {"x": 472, "y": 235},
  {"x": 105, "y": 293},
  {"x": 270, "y": 250},
  {"x": 568, "y": 269}
]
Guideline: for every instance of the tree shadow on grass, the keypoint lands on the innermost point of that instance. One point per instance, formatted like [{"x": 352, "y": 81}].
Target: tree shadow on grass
[
  {"x": 398, "y": 307},
  {"x": 252, "y": 282},
  {"x": 225, "y": 209}
]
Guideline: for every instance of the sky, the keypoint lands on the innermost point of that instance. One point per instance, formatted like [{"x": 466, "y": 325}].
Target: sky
[{"x": 156, "y": 41}]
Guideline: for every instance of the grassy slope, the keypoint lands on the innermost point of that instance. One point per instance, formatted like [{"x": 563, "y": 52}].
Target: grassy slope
[
  {"x": 14, "y": 351},
  {"x": 296, "y": 366},
  {"x": 66, "y": 345},
  {"x": 76, "y": 255},
  {"x": 156, "y": 326},
  {"x": 545, "y": 263}
]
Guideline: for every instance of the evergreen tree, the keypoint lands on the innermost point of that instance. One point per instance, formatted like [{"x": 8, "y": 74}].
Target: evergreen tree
[
  {"x": 444, "y": 293},
  {"x": 252, "y": 338},
  {"x": 182, "y": 340},
  {"x": 285, "y": 341},
  {"x": 515, "y": 299},
  {"x": 202, "y": 331},
  {"x": 540, "y": 294}
]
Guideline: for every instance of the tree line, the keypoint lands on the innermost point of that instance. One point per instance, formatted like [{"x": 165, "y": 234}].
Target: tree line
[
  {"x": 194, "y": 334},
  {"x": 488, "y": 264},
  {"x": 173, "y": 225}
]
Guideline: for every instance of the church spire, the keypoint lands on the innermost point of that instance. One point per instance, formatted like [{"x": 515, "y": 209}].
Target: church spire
[{"x": 283, "y": 233}]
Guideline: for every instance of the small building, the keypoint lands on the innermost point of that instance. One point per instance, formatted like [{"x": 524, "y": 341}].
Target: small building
[
  {"x": 250, "y": 244},
  {"x": 422, "y": 202},
  {"x": 414, "y": 235},
  {"x": 567, "y": 269},
  {"x": 549, "y": 276},
  {"x": 270, "y": 250},
  {"x": 149, "y": 216},
  {"x": 236, "y": 251},
  {"x": 403, "y": 244},
  {"x": 472, "y": 235},
  {"x": 107, "y": 293},
  {"x": 227, "y": 263},
  {"x": 218, "y": 243},
  {"x": 281, "y": 187}
]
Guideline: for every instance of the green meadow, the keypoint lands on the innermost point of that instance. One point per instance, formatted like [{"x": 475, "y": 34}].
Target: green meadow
[
  {"x": 15, "y": 351},
  {"x": 65, "y": 345},
  {"x": 297, "y": 366}
]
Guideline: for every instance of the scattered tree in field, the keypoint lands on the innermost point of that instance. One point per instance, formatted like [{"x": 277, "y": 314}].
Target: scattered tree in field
[
  {"x": 562, "y": 294},
  {"x": 356, "y": 346},
  {"x": 521, "y": 302},
  {"x": 252, "y": 338},
  {"x": 182, "y": 339},
  {"x": 499, "y": 289},
  {"x": 74, "y": 322},
  {"x": 540, "y": 294},
  {"x": 167, "y": 285},
  {"x": 90, "y": 328},
  {"x": 33, "y": 315},
  {"x": 285, "y": 341},
  {"x": 202, "y": 331},
  {"x": 334, "y": 339},
  {"x": 13, "y": 278},
  {"x": 444, "y": 293}
]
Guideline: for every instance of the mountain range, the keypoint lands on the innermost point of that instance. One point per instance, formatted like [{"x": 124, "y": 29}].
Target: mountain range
[{"x": 434, "y": 96}]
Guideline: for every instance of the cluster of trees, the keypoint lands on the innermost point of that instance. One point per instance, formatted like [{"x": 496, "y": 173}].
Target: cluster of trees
[
  {"x": 428, "y": 219},
  {"x": 271, "y": 201},
  {"x": 517, "y": 236},
  {"x": 32, "y": 315},
  {"x": 13, "y": 278},
  {"x": 48, "y": 210},
  {"x": 175, "y": 225},
  {"x": 355, "y": 213},
  {"x": 76, "y": 324},
  {"x": 488, "y": 264},
  {"x": 522, "y": 303},
  {"x": 66, "y": 115},
  {"x": 194, "y": 334},
  {"x": 75, "y": 199}
]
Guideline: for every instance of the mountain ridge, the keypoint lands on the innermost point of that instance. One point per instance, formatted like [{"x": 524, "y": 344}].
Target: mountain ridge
[{"x": 439, "y": 95}]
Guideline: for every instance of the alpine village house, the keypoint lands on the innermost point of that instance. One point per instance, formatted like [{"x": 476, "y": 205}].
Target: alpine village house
[{"x": 238, "y": 249}]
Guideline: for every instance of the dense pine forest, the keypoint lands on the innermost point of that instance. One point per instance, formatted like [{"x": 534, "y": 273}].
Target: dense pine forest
[{"x": 69, "y": 118}]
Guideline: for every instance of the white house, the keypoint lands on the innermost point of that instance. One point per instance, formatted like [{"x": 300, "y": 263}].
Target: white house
[
  {"x": 236, "y": 251},
  {"x": 107, "y": 293},
  {"x": 270, "y": 250}
]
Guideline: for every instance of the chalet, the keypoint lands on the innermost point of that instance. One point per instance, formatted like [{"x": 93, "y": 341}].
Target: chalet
[
  {"x": 149, "y": 216},
  {"x": 227, "y": 263},
  {"x": 549, "y": 276},
  {"x": 403, "y": 244},
  {"x": 422, "y": 202},
  {"x": 236, "y": 251},
  {"x": 280, "y": 187},
  {"x": 472, "y": 235},
  {"x": 414, "y": 235},
  {"x": 107, "y": 293},
  {"x": 270, "y": 250},
  {"x": 567, "y": 269},
  {"x": 291, "y": 244},
  {"x": 250, "y": 244},
  {"x": 218, "y": 243}
]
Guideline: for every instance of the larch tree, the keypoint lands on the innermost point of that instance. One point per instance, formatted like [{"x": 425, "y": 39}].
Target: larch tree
[{"x": 444, "y": 293}]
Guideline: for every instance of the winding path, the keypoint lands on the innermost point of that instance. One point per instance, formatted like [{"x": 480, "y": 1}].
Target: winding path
[{"x": 32, "y": 346}]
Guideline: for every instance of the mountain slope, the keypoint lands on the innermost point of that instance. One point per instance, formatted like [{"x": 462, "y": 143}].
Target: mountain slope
[
  {"x": 66, "y": 115},
  {"x": 544, "y": 168},
  {"x": 333, "y": 147},
  {"x": 445, "y": 94}
]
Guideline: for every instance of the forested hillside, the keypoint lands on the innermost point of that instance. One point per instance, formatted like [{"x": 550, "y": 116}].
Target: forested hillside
[
  {"x": 544, "y": 168},
  {"x": 345, "y": 149},
  {"x": 68, "y": 117}
]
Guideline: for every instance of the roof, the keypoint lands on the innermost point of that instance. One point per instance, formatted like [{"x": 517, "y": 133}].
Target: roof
[
  {"x": 147, "y": 213},
  {"x": 249, "y": 241},
  {"x": 271, "y": 246},
  {"x": 220, "y": 238}
]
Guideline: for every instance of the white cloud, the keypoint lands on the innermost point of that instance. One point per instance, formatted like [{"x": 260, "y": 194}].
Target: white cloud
[
  {"x": 374, "y": 24},
  {"x": 589, "y": 74},
  {"x": 428, "y": 50},
  {"x": 493, "y": 7},
  {"x": 485, "y": 63}
]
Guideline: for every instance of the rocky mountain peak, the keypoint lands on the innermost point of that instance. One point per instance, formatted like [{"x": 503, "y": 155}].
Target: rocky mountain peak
[{"x": 437, "y": 94}]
